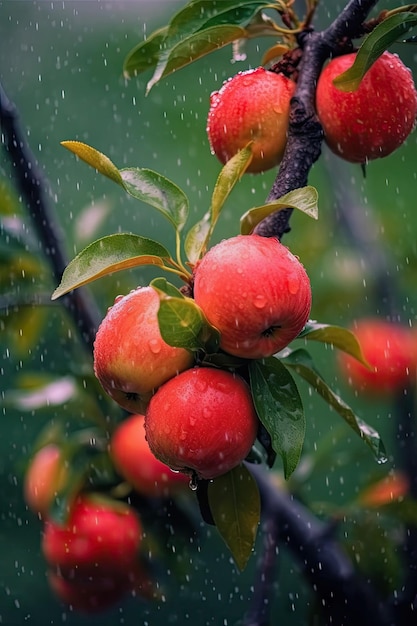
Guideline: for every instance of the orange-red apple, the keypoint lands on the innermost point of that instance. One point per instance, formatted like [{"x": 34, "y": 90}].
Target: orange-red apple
[
  {"x": 43, "y": 479},
  {"x": 372, "y": 121},
  {"x": 131, "y": 360},
  {"x": 135, "y": 462},
  {"x": 386, "y": 347},
  {"x": 255, "y": 292},
  {"x": 202, "y": 422},
  {"x": 252, "y": 106}
]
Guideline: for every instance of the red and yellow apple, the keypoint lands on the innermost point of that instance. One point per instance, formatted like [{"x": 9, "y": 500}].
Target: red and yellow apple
[
  {"x": 44, "y": 478},
  {"x": 202, "y": 422},
  {"x": 255, "y": 292},
  {"x": 387, "y": 348},
  {"x": 253, "y": 106},
  {"x": 135, "y": 462},
  {"x": 372, "y": 121},
  {"x": 131, "y": 360}
]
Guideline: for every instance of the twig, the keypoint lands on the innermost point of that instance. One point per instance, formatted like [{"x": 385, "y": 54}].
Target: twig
[{"x": 33, "y": 189}]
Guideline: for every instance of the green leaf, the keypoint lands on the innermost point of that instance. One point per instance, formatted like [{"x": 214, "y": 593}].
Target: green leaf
[
  {"x": 199, "y": 235},
  {"x": 229, "y": 175},
  {"x": 161, "y": 284},
  {"x": 301, "y": 362},
  {"x": 145, "y": 55},
  {"x": 304, "y": 199},
  {"x": 197, "y": 238},
  {"x": 193, "y": 48},
  {"x": 182, "y": 323},
  {"x": 279, "y": 407},
  {"x": 165, "y": 44},
  {"x": 159, "y": 192},
  {"x": 107, "y": 255},
  {"x": 235, "y": 506},
  {"x": 336, "y": 336},
  {"x": 374, "y": 45},
  {"x": 96, "y": 159}
]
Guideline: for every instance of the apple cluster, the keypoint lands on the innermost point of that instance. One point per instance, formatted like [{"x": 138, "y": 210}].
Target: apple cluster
[
  {"x": 200, "y": 420},
  {"x": 92, "y": 557},
  {"x": 367, "y": 123}
]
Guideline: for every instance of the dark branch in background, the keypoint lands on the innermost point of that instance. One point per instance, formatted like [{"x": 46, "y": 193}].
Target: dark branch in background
[
  {"x": 305, "y": 133},
  {"x": 33, "y": 189},
  {"x": 360, "y": 229},
  {"x": 345, "y": 598}
]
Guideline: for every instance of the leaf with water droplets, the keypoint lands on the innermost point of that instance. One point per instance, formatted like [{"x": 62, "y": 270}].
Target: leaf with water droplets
[
  {"x": 304, "y": 199},
  {"x": 107, "y": 255},
  {"x": 373, "y": 46},
  {"x": 280, "y": 409},
  {"x": 336, "y": 336},
  {"x": 301, "y": 362},
  {"x": 96, "y": 159},
  {"x": 235, "y": 506}
]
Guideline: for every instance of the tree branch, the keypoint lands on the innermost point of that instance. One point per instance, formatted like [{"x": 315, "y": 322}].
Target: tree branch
[
  {"x": 305, "y": 134},
  {"x": 33, "y": 189}
]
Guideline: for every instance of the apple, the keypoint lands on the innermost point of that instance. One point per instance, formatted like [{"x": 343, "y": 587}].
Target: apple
[
  {"x": 372, "y": 121},
  {"x": 135, "y": 462},
  {"x": 386, "y": 347},
  {"x": 131, "y": 360},
  {"x": 44, "y": 478},
  {"x": 91, "y": 596},
  {"x": 202, "y": 422},
  {"x": 99, "y": 539},
  {"x": 255, "y": 292},
  {"x": 252, "y": 106}
]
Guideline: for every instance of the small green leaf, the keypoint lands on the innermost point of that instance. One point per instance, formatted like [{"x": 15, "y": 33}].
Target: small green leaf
[
  {"x": 197, "y": 238},
  {"x": 161, "y": 284},
  {"x": 192, "y": 48},
  {"x": 229, "y": 175},
  {"x": 235, "y": 506},
  {"x": 279, "y": 407},
  {"x": 107, "y": 255},
  {"x": 183, "y": 324},
  {"x": 301, "y": 362},
  {"x": 159, "y": 192},
  {"x": 374, "y": 45},
  {"x": 96, "y": 159},
  {"x": 336, "y": 336},
  {"x": 145, "y": 55},
  {"x": 304, "y": 199}
]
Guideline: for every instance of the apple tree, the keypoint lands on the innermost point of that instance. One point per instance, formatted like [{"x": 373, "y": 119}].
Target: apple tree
[{"x": 196, "y": 384}]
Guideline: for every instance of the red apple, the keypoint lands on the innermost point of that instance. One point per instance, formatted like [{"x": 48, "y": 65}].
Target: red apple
[
  {"x": 374, "y": 120},
  {"x": 202, "y": 422},
  {"x": 134, "y": 461},
  {"x": 255, "y": 292},
  {"x": 131, "y": 360},
  {"x": 252, "y": 106},
  {"x": 43, "y": 479},
  {"x": 91, "y": 596},
  {"x": 98, "y": 540},
  {"x": 386, "y": 347}
]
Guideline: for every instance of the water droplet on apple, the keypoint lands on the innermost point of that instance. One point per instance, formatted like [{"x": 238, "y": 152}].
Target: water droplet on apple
[
  {"x": 155, "y": 346},
  {"x": 207, "y": 412},
  {"x": 201, "y": 385},
  {"x": 193, "y": 484},
  {"x": 293, "y": 284},
  {"x": 260, "y": 301},
  {"x": 117, "y": 299}
]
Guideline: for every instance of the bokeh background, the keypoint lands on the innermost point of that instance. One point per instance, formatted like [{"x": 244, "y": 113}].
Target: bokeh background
[{"x": 61, "y": 64}]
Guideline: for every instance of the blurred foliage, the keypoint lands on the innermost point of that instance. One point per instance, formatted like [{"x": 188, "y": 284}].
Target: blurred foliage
[{"x": 62, "y": 66}]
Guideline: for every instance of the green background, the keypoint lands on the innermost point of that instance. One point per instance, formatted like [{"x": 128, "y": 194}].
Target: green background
[{"x": 61, "y": 64}]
